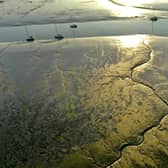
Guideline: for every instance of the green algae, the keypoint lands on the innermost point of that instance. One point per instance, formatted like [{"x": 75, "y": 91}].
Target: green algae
[{"x": 81, "y": 114}]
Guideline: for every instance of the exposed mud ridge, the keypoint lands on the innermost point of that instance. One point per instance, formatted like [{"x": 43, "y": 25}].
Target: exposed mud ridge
[
  {"x": 139, "y": 7},
  {"x": 156, "y": 124}
]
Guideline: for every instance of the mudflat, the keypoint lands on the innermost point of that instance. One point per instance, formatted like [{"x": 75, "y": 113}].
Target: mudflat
[{"x": 86, "y": 102}]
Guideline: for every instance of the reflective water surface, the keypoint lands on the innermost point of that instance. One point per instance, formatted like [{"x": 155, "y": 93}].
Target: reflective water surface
[
  {"x": 150, "y": 4},
  {"x": 86, "y": 29},
  {"x": 76, "y": 103},
  {"x": 55, "y": 11},
  {"x": 95, "y": 99}
]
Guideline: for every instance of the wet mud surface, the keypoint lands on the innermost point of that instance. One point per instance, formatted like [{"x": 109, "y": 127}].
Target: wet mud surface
[
  {"x": 89, "y": 102},
  {"x": 23, "y": 12},
  {"x": 153, "y": 152},
  {"x": 29, "y": 12}
]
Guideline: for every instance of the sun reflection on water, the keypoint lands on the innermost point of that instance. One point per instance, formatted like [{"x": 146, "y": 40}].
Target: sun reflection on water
[
  {"x": 121, "y": 11},
  {"x": 133, "y": 40},
  {"x": 134, "y": 2}
]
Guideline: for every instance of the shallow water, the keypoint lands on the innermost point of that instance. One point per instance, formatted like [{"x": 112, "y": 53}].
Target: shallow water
[
  {"x": 56, "y": 11},
  {"x": 151, "y": 4},
  {"x": 86, "y": 29},
  {"x": 77, "y": 102},
  {"x": 62, "y": 99},
  {"x": 62, "y": 13}
]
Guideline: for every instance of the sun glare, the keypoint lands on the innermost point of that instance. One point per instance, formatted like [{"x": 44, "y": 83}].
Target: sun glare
[
  {"x": 134, "y": 2},
  {"x": 132, "y": 41},
  {"x": 120, "y": 11}
]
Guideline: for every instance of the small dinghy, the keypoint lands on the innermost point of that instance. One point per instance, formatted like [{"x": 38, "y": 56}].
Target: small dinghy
[
  {"x": 154, "y": 18},
  {"x": 59, "y": 37},
  {"x": 73, "y": 26},
  {"x": 30, "y": 39}
]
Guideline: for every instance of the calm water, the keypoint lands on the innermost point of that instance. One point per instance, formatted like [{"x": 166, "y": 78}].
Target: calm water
[
  {"x": 87, "y": 29},
  {"x": 151, "y": 4}
]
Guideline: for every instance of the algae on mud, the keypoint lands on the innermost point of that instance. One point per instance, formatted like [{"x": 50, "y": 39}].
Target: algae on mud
[
  {"x": 153, "y": 151},
  {"x": 75, "y": 103}
]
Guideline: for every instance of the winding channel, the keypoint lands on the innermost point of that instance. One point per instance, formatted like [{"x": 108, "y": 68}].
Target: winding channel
[
  {"x": 81, "y": 32},
  {"x": 141, "y": 134}
]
